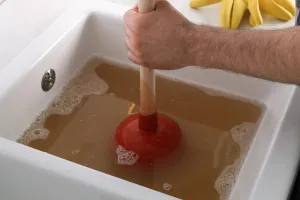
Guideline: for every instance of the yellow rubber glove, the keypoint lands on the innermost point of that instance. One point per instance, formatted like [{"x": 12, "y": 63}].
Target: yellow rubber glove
[
  {"x": 281, "y": 9},
  {"x": 202, "y": 3},
  {"x": 255, "y": 15},
  {"x": 232, "y": 11}
]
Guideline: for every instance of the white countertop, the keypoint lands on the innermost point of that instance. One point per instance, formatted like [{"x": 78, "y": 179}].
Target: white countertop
[{"x": 21, "y": 21}]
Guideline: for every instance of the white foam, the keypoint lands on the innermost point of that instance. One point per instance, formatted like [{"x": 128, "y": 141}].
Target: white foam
[
  {"x": 167, "y": 187},
  {"x": 126, "y": 157},
  {"x": 242, "y": 134},
  {"x": 75, "y": 151},
  {"x": 85, "y": 83}
]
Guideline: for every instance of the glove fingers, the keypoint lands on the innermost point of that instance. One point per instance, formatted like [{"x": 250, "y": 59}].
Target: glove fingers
[
  {"x": 251, "y": 21},
  {"x": 287, "y": 5},
  {"x": 238, "y": 10},
  {"x": 201, "y": 3},
  {"x": 226, "y": 11},
  {"x": 255, "y": 15},
  {"x": 274, "y": 9}
]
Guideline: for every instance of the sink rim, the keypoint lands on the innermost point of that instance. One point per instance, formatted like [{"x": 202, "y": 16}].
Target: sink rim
[{"x": 83, "y": 10}]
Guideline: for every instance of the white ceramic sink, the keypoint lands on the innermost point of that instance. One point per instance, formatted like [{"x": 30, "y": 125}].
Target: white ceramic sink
[{"x": 95, "y": 28}]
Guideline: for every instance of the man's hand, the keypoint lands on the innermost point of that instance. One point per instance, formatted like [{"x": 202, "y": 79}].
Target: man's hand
[
  {"x": 164, "y": 39},
  {"x": 158, "y": 39}
]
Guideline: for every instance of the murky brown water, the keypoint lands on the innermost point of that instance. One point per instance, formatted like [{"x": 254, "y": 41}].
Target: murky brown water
[{"x": 216, "y": 131}]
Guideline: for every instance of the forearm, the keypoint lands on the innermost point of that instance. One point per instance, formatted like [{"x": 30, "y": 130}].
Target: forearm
[{"x": 268, "y": 54}]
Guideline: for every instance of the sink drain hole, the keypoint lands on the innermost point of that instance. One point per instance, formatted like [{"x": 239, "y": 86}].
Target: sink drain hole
[{"x": 48, "y": 80}]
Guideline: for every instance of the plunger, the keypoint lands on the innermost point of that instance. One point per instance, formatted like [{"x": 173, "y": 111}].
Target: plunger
[{"x": 150, "y": 135}]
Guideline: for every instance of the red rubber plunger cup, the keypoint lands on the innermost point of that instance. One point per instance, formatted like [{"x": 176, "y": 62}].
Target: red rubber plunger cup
[{"x": 150, "y": 135}]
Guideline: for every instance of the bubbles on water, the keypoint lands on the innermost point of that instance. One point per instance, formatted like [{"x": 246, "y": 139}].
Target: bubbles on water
[
  {"x": 34, "y": 134},
  {"x": 85, "y": 83},
  {"x": 126, "y": 157},
  {"x": 75, "y": 151},
  {"x": 242, "y": 134},
  {"x": 167, "y": 187}
]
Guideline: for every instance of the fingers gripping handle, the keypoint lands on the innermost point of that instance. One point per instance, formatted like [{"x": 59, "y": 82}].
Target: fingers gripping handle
[{"x": 147, "y": 76}]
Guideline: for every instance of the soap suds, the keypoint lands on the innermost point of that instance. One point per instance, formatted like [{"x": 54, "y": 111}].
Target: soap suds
[
  {"x": 242, "y": 135},
  {"x": 126, "y": 157},
  {"x": 85, "y": 83},
  {"x": 167, "y": 187}
]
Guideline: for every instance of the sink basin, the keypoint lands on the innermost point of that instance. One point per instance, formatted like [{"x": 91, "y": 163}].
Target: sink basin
[{"x": 91, "y": 29}]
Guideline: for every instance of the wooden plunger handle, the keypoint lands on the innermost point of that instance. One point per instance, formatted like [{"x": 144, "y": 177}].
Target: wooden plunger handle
[{"x": 147, "y": 76}]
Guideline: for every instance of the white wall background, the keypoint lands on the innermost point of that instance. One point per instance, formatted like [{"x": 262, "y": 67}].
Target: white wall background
[{"x": 21, "y": 21}]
